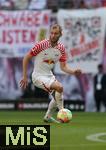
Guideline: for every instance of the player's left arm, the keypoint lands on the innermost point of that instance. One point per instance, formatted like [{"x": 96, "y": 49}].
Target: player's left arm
[
  {"x": 63, "y": 63},
  {"x": 66, "y": 68}
]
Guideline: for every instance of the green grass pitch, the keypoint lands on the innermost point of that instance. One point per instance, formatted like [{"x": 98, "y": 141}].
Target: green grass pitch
[{"x": 69, "y": 136}]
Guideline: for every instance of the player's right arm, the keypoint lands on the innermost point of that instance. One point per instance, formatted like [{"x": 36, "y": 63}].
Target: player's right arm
[
  {"x": 24, "y": 80},
  {"x": 33, "y": 52}
]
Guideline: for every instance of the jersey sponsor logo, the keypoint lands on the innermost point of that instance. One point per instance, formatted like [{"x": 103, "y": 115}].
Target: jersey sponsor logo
[{"x": 49, "y": 61}]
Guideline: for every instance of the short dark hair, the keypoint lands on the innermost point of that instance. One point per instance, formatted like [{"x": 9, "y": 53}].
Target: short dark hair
[
  {"x": 100, "y": 66},
  {"x": 55, "y": 26}
]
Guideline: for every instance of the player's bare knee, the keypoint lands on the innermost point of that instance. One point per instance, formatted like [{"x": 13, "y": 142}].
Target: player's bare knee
[{"x": 60, "y": 89}]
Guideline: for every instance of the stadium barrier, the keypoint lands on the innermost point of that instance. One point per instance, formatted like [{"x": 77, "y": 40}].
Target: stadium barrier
[{"x": 38, "y": 104}]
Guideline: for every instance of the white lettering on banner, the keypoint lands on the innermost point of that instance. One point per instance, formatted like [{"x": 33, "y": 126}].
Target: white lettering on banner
[
  {"x": 83, "y": 36},
  {"x": 20, "y": 30}
]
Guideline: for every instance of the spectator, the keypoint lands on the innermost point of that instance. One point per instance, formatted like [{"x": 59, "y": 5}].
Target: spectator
[
  {"x": 21, "y": 4},
  {"x": 93, "y": 3},
  {"x": 104, "y": 3},
  {"x": 82, "y": 4},
  {"x": 7, "y": 4},
  {"x": 53, "y": 5},
  {"x": 100, "y": 88},
  {"x": 67, "y": 4},
  {"x": 37, "y": 4}
]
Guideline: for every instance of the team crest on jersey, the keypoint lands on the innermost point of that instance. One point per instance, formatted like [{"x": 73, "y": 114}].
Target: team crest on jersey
[{"x": 49, "y": 61}]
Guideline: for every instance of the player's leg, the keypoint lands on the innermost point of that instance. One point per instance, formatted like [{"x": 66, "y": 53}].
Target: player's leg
[
  {"x": 98, "y": 101},
  {"x": 44, "y": 83},
  {"x": 57, "y": 100},
  {"x": 51, "y": 109},
  {"x": 52, "y": 106},
  {"x": 103, "y": 97},
  {"x": 57, "y": 86}
]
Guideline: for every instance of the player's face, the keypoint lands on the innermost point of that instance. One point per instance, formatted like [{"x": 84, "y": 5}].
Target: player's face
[{"x": 55, "y": 35}]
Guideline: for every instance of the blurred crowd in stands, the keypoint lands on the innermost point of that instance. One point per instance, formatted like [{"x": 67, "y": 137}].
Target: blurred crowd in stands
[{"x": 54, "y": 5}]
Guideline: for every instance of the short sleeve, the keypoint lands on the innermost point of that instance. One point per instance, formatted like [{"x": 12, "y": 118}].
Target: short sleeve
[
  {"x": 63, "y": 57},
  {"x": 35, "y": 50},
  {"x": 42, "y": 45}
]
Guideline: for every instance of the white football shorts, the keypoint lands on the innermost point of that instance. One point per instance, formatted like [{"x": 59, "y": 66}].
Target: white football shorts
[{"x": 44, "y": 82}]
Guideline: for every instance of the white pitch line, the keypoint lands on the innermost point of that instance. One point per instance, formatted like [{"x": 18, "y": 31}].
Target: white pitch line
[
  {"x": 79, "y": 145},
  {"x": 96, "y": 137}
]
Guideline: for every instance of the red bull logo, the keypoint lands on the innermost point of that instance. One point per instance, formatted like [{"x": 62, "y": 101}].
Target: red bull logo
[{"x": 49, "y": 61}]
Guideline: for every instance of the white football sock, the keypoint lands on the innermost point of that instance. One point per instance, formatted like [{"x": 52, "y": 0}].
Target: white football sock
[
  {"x": 59, "y": 100},
  {"x": 51, "y": 108}
]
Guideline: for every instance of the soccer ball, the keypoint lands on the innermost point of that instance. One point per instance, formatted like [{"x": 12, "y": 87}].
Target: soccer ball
[{"x": 64, "y": 115}]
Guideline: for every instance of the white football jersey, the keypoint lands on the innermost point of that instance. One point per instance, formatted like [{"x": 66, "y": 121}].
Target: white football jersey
[{"x": 46, "y": 56}]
